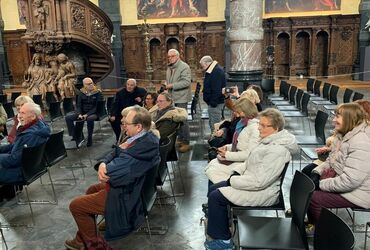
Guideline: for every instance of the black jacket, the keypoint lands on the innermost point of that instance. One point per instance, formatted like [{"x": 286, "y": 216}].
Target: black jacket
[
  {"x": 126, "y": 99},
  {"x": 214, "y": 81},
  {"x": 88, "y": 102}
]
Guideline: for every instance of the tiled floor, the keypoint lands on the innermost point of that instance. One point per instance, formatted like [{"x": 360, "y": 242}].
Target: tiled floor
[{"x": 54, "y": 223}]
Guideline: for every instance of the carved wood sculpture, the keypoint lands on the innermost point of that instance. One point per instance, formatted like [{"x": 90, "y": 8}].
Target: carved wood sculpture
[{"x": 57, "y": 30}]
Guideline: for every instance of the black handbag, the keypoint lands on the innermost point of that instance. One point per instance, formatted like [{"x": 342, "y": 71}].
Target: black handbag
[{"x": 216, "y": 142}]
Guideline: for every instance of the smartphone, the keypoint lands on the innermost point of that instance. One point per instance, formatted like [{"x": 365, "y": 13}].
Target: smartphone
[{"x": 229, "y": 90}]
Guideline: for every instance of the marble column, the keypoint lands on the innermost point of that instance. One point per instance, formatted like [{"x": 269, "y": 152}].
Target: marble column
[
  {"x": 4, "y": 69},
  {"x": 245, "y": 35},
  {"x": 364, "y": 40},
  {"x": 118, "y": 75}
]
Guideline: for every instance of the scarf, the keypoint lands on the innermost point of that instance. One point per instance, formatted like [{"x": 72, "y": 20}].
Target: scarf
[
  {"x": 89, "y": 92},
  {"x": 242, "y": 123},
  {"x": 22, "y": 128}
]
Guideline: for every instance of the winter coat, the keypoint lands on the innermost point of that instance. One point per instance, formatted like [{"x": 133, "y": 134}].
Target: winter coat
[
  {"x": 169, "y": 121},
  {"x": 123, "y": 207},
  {"x": 3, "y": 115},
  {"x": 87, "y": 102},
  {"x": 214, "y": 81},
  {"x": 350, "y": 157},
  {"x": 247, "y": 141},
  {"x": 11, "y": 154},
  {"x": 179, "y": 75},
  {"x": 259, "y": 182},
  {"x": 126, "y": 99}
]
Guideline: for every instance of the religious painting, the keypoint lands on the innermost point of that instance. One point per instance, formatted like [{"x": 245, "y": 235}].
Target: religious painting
[
  {"x": 22, "y": 11},
  {"x": 171, "y": 8},
  {"x": 278, "y": 6}
]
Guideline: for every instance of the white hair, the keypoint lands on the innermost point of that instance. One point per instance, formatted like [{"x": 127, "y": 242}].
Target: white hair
[
  {"x": 206, "y": 60},
  {"x": 132, "y": 80},
  {"x": 175, "y": 51},
  {"x": 34, "y": 108}
]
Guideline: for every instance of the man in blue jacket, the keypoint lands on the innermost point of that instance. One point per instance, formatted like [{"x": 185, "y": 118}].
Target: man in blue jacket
[
  {"x": 32, "y": 132},
  {"x": 214, "y": 81},
  {"x": 122, "y": 174}
]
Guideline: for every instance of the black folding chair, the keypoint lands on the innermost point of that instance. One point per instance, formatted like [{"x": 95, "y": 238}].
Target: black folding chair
[
  {"x": 279, "y": 233},
  {"x": 38, "y": 100},
  {"x": 68, "y": 106}
]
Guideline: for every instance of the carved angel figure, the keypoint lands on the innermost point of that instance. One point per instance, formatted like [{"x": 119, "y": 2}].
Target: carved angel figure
[
  {"x": 34, "y": 77},
  {"x": 66, "y": 77},
  {"x": 40, "y": 12}
]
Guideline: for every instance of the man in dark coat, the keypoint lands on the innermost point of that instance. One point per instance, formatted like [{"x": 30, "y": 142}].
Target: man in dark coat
[
  {"x": 129, "y": 96},
  {"x": 32, "y": 132},
  {"x": 122, "y": 174},
  {"x": 214, "y": 81}
]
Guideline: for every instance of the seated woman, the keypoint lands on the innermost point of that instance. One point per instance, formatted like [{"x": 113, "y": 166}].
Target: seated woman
[
  {"x": 245, "y": 139},
  {"x": 167, "y": 117},
  {"x": 254, "y": 183},
  {"x": 150, "y": 100},
  {"x": 343, "y": 179}
]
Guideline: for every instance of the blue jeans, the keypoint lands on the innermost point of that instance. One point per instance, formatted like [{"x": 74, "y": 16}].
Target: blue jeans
[
  {"x": 215, "y": 115},
  {"x": 218, "y": 219}
]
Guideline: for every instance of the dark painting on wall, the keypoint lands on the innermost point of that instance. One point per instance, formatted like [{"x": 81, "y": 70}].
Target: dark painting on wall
[
  {"x": 171, "y": 8},
  {"x": 278, "y": 6}
]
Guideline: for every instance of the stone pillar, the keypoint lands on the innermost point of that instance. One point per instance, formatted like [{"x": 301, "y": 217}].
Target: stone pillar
[
  {"x": 118, "y": 75},
  {"x": 4, "y": 69},
  {"x": 245, "y": 35},
  {"x": 227, "y": 42},
  {"x": 364, "y": 39}
]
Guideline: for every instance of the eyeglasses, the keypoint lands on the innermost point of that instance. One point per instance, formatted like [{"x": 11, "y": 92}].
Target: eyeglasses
[
  {"x": 148, "y": 98},
  {"x": 264, "y": 125},
  {"x": 170, "y": 56},
  {"x": 129, "y": 123}
]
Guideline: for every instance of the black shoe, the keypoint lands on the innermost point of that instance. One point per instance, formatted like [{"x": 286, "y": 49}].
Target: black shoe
[
  {"x": 89, "y": 143},
  {"x": 205, "y": 209},
  {"x": 79, "y": 143}
]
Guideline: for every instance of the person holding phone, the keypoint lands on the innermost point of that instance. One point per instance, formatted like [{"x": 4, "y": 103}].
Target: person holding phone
[{"x": 214, "y": 81}]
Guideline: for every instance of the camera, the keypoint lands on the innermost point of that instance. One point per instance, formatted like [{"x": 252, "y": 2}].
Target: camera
[{"x": 229, "y": 90}]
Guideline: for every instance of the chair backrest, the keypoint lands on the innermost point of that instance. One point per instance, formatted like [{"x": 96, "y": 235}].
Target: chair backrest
[
  {"x": 55, "y": 150},
  {"x": 14, "y": 95},
  {"x": 316, "y": 87},
  {"x": 285, "y": 90},
  {"x": 300, "y": 196},
  {"x": 309, "y": 85},
  {"x": 49, "y": 97},
  {"x": 162, "y": 168},
  {"x": 292, "y": 93},
  {"x": 172, "y": 155},
  {"x": 347, "y": 95},
  {"x": 3, "y": 98},
  {"x": 268, "y": 86},
  {"x": 110, "y": 101},
  {"x": 68, "y": 105},
  {"x": 38, "y": 100},
  {"x": 298, "y": 98},
  {"x": 283, "y": 87},
  {"x": 193, "y": 107},
  {"x": 304, "y": 104},
  {"x": 101, "y": 110},
  {"x": 281, "y": 203},
  {"x": 325, "y": 90},
  {"x": 332, "y": 233},
  {"x": 33, "y": 163},
  {"x": 333, "y": 96},
  {"x": 357, "y": 96},
  {"x": 8, "y": 107},
  {"x": 320, "y": 122},
  {"x": 55, "y": 111}
]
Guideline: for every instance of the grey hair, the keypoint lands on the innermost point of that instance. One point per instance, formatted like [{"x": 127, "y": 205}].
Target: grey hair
[
  {"x": 22, "y": 99},
  {"x": 206, "y": 60},
  {"x": 125, "y": 111},
  {"x": 131, "y": 79},
  {"x": 34, "y": 108},
  {"x": 275, "y": 117},
  {"x": 175, "y": 51}
]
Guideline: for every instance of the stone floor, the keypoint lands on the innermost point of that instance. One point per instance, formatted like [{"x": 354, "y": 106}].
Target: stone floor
[{"x": 54, "y": 223}]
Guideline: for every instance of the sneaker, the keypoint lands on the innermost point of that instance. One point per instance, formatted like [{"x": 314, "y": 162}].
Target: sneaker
[
  {"x": 74, "y": 245},
  {"x": 185, "y": 148},
  {"x": 219, "y": 244},
  {"x": 310, "y": 230}
]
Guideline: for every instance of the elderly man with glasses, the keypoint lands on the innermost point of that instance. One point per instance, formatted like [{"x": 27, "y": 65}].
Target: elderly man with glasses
[{"x": 121, "y": 176}]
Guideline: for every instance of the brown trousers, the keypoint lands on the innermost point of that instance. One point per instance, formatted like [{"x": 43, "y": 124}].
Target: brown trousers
[{"x": 84, "y": 208}]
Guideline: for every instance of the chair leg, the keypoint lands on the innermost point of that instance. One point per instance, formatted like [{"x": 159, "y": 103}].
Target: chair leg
[
  {"x": 6, "y": 246},
  {"x": 367, "y": 227},
  {"x": 29, "y": 203},
  {"x": 53, "y": 189}
]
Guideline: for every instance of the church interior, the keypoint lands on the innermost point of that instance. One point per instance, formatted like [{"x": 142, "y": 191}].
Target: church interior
[{"x": 48, "y": 48}]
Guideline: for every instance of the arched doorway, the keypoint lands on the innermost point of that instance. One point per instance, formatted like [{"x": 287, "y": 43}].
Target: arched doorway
[
  {"x": 172, "y": 43},
  {"x": 156, "y": 58},
  {"x": 190, "y": 54},
  {"x": 282, "y": 54},
  {"x": 302, "y": 53},
  {"x": 322, "y": 53}
]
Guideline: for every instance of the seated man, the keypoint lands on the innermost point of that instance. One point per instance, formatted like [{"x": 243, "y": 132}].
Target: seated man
[
  {"x": 32, "y": 132},
  {"x": 122, "y": 176},
  {"x": 87, "y": 103}
]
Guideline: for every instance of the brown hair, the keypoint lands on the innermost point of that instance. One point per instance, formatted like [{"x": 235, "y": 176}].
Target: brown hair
[
  {"x": 142, "y": 116},
  {"x": 352, "y": 116},
  {"x": 153, "y": 95},
  {"x": 167, "y": 96},
  {"x": 365, "y": 104},
  {"x": 247, "y": 107}
]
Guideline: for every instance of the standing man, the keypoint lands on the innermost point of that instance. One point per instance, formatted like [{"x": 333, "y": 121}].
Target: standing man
[
  {"x": 214, "y": 81},
  {"x": 121, "y": 177},
  {"x": 178, "y": 84},
  {"x": 129, "y": 96}
]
